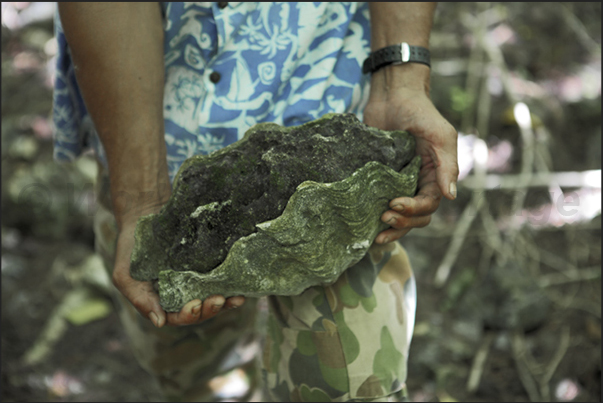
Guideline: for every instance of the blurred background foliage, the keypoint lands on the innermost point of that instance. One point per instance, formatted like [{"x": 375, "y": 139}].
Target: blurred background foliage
[{"x": 508, "y": 274}]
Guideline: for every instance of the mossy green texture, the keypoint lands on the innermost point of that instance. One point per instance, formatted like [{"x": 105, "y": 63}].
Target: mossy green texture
[
  {"x": 279, "y": 211},
  {"x": 325, "y": 228}
]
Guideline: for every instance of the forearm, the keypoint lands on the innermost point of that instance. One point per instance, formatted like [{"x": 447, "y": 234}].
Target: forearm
[
  {"x": 393, "y": 23},
  {"x": 117, "y": 50}
]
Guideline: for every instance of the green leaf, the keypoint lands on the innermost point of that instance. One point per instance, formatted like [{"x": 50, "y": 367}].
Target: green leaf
[{"x": 89, "y": 311}]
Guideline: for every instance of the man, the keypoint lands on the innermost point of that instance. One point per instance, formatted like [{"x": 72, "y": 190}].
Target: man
[{"x": 159, "y": 83}]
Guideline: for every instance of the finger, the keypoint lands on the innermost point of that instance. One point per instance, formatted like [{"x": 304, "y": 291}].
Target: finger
[
  {"x": 211, "y": 306},
  {"x": 194, "y": 313},
  {"x": 188, "y": 315},
  {"x": 398, "y": 221},
  {"x": 391, "y": 235},
  {"x": 419, "y": 205},
  {"x": 447, "y": 170},
  {"x": 234, "y": 302}
]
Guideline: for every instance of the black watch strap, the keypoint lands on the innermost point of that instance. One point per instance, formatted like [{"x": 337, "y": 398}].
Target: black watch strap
[{"x": 395, "y": 54}]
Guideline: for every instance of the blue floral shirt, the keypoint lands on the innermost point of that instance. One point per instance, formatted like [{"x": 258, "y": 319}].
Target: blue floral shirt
[{"x": 228, "y": 68}]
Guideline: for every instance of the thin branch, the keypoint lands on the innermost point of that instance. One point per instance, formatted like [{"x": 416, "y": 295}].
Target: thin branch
[
  {"x": 532, "y": 251},
  {"x": 585, "y": 226},
  {"x": 458, "y": 237},
  {"x": 475, "y": 69},
  {"x": 462, "y": 226},
  {"x": 527, "y": 167},
  {"x": 591, "y": 273},
  {"x": 590, "y": 179},
  {"x": 527, "y": 380},
  {"x": 485, "y": 258},
  {"x": 574, "y": 23},
  {"x": 571, "y": 302},
  {"x": 567, "y": 269},
  {"x": 555, "y": 361},
  {"x": 477, "y": 368},
  {"x": 484, "y": 109},
  {"x": 493, "y": 236}
]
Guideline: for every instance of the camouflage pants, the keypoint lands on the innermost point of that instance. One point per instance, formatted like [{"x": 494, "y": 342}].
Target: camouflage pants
[{"x": 345, "y": 342}]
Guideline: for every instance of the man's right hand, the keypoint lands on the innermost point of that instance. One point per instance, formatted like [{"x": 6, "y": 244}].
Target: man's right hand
[
  {"x": 144, "y": 298},
  {"x": 117, "y": 51}
]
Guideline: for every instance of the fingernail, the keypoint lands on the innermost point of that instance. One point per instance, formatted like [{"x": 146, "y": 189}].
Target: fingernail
[
  {"x": 391, "y": 221},
  {"x": 453, "y": 189},
  {"x": 216, "y": 308},
  {"x": 196, "y": 309},
  {"x": 385, "y": 240},
  {"x": 398, "y": 207},
  {"x": 154, "y": 319}
]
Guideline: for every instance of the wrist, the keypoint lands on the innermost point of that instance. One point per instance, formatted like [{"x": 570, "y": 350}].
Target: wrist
[
  {"x": 394, "y": 23},
  {"x": 392, "y": 79},
  {"x": 129, "y": 216},
  {"x": 138, "y": 173},
  {"x": 131, "y": 203}
]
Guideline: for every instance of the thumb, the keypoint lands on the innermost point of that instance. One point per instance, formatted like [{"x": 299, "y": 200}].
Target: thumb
[
  {"x": 447, "y": 173},
  {"x": 142, "y": 296},
  {"x": 156, "y": 315},
  {"x": 140, "y": 293}
]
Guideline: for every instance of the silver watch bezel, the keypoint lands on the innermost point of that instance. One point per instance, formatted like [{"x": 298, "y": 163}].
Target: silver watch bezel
[{"x": 405, "y": 51}]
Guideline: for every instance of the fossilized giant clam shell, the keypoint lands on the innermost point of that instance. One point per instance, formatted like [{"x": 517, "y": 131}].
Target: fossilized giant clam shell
[{"x": 281, "y": 210}]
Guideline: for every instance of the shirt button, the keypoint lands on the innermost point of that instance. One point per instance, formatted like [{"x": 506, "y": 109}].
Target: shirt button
[
  {"x": 214, "y": 77},
  {"x": 222, "y": 4}
]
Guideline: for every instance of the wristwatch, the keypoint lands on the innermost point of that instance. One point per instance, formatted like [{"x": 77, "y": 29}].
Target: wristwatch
[{"x": 395, "y": 54}]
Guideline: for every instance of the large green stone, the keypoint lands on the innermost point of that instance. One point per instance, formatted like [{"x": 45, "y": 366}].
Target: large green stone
[{"x": 275, "y": 213}]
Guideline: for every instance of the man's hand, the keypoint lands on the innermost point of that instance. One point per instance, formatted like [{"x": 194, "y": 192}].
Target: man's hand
[
  {"x": 399, "y": 100},
  {"x": 144, "y": 298},
  {"x": 117, "y": 51},
  {"x": 405, "y": 105}
]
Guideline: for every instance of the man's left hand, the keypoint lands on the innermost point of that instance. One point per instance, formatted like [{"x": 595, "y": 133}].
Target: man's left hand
[{"x": 411, "y": 109}]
